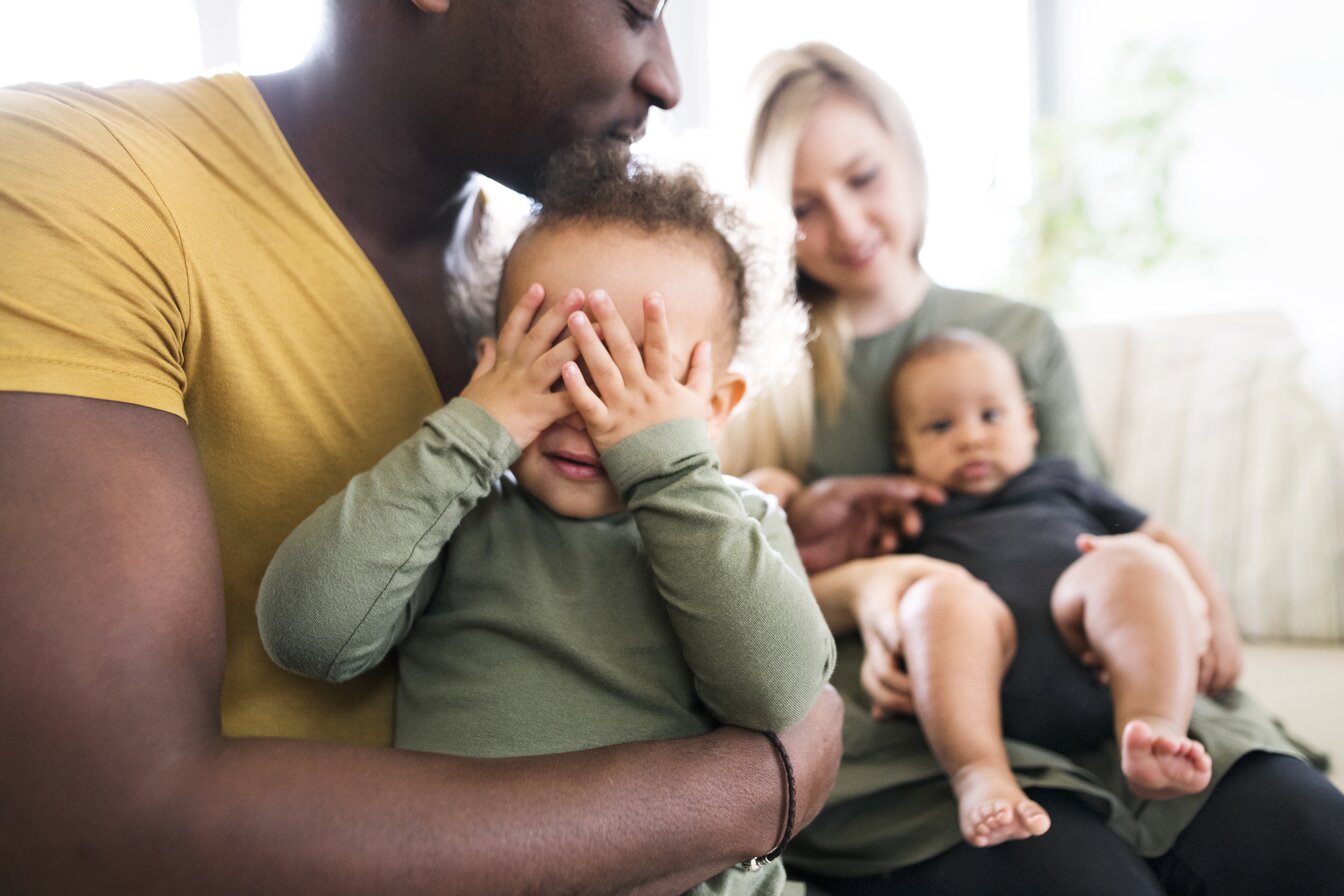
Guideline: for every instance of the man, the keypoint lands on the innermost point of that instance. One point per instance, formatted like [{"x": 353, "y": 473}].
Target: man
[{"x": 200, "y": 341}]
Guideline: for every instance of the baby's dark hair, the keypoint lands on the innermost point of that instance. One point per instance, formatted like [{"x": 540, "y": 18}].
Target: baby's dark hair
[
  {"x": 601, "y": 184},
  {"x": 941, "y": 343}
]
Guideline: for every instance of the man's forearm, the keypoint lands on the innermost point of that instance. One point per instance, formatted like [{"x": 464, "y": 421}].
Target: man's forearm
[{"x": 273, "y": 816}]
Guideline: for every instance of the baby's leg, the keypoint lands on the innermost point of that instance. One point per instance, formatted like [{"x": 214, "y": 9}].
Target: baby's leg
[
  {"x": 1127, "y": 605},
  {"x": 957, "y": 638}
]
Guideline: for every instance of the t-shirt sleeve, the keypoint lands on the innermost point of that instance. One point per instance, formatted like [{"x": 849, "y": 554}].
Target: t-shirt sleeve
[
  {"x": 1116, "y": 514},
  {"x": 93, "y": 284}
]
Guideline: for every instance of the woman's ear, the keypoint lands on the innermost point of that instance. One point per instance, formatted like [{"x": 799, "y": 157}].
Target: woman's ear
[
  {"x": 727, "y": 394},
  {"x": 433, "y": 7}
]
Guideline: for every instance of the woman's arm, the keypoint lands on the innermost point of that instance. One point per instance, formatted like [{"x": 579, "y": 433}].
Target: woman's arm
[{"x": 345, "y": 586}]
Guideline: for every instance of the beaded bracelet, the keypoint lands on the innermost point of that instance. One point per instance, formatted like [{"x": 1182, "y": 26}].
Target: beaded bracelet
[{"x": 791, "y": 794}]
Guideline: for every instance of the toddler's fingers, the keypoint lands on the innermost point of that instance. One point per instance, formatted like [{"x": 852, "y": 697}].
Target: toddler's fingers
[
  {"x": 548, "y": 367},
  {"x": 615, "y": 335},
  {"x": 486, "y": 352},
  {"x": 520, "y": 318},
  {"x": 700, "y": 375},
  {"x": 606, "y": 375},
  {"x": 657, "y": 341},
  {"x": 549, "y": 327},
  {"x": 584, "y": 399},
  {"x": 1086, "y": 542}
]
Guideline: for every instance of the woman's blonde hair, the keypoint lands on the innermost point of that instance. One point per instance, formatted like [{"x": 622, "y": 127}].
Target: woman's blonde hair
[{"x": 785, "y": 89}]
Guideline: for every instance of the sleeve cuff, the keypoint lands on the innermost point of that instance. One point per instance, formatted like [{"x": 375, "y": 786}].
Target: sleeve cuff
[
  {"x": 480, "y": 434},
  {"x": 658, "y": 451}
]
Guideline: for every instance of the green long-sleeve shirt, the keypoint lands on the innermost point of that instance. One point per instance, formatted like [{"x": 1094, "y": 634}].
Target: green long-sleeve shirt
[{"x": 521, "y": 631}]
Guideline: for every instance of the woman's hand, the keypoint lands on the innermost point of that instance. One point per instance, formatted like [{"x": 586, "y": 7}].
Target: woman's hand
[
  {"x": 842, "y": 518},
  {"x": 634, "y": 390},
  {"x": 1220, "y": 666},
  {"x": 514, "y": 375}
]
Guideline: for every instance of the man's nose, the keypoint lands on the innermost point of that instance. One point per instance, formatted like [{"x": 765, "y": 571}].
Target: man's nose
[{"x": 658, "y": 78}]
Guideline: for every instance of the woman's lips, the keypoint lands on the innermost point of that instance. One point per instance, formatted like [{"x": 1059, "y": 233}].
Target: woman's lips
[
  {"x": 861, "y": 259},
  {"x": 576, "y": 467}
]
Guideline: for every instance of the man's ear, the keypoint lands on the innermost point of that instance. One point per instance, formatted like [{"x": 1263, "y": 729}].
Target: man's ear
[
  {"x": 433, "y": 7},
  {"x": 727, "y": 394}
]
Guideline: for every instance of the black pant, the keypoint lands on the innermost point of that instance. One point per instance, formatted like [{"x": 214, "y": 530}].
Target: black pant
[{"x": 1272, "y": 826}]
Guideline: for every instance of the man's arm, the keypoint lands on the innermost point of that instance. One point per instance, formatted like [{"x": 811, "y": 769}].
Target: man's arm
[{"x": 118, "y": 780}]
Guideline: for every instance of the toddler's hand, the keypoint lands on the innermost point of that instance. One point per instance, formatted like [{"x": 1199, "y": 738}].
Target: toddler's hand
[
  {"x": 514, "y": 376},
  {"x": 633, "y": 391}
]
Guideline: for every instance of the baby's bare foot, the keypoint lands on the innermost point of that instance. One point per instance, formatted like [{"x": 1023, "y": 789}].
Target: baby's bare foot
[
  {"x": 993, "y": 807},
  {"x": 1162, "y": 766}
]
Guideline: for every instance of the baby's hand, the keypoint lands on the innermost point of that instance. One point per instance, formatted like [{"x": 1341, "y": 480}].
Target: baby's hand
[
  {"x": 634, "y": 390},
  {"x": 514, "y": 376}
]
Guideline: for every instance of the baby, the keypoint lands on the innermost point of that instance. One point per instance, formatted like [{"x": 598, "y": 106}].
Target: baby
[
  {"x": 554, "y": 555},
  {"x": 1128, "y": 607}
]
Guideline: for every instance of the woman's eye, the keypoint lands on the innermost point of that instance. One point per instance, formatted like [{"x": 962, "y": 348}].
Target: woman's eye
[
  {"x": 801, "y": 211},
  {"x": 863, "y": 179}
]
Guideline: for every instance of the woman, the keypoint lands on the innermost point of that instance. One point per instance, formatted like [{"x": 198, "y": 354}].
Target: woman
[{"x": 836, "y": 142}]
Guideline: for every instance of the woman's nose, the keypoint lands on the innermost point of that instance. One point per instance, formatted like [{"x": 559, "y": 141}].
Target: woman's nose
[{"x": 848, "y": 227}]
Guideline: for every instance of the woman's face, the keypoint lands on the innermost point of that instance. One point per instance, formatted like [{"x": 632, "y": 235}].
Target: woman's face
[{"x": 855, "y": 200}]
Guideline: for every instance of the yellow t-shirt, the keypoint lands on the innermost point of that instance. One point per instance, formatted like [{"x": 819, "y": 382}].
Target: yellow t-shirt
[{"x": 160, "y": 245}]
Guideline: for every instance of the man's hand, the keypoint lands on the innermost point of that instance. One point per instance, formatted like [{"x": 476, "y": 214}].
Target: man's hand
[
  {"x": 844, "y": 518},
  {"x": 634, "y": 390},
  {"x": 514, "y": 377}
]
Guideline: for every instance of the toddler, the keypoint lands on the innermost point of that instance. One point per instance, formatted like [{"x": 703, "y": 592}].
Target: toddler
[{"x": 554, "y": 555}]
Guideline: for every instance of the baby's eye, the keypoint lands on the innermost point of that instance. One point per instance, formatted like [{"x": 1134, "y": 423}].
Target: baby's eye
[
  {"x": 992, "y": 415},
  {"x": 802, "y": 210},
  {"x": 940, "y": 426}
]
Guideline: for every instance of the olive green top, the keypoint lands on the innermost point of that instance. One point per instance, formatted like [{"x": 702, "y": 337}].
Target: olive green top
[
  {"x": 522, "y": 632},
  {"x": 892, "y": 805},
  {"x": 858, "y": 440}
]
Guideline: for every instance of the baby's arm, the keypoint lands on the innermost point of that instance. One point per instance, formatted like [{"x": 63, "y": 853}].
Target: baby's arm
[
  {"x": 344, "y": 587},
  {"x": 1220, "y": 666}
]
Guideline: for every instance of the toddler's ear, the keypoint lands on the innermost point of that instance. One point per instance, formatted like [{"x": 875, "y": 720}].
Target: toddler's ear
[{"x": 727, "y": 394}]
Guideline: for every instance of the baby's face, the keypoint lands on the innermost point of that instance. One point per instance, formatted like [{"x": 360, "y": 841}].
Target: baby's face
[
  {"x": 561, "y": 468},
  {"x": 964, "y": 422}
]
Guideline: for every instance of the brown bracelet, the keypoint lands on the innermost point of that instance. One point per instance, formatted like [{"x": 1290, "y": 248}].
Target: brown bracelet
[{"x": 791, "y": 796}]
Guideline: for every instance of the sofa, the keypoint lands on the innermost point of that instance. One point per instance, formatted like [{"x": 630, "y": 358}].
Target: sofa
[{"x": 1206, "y": 422}]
